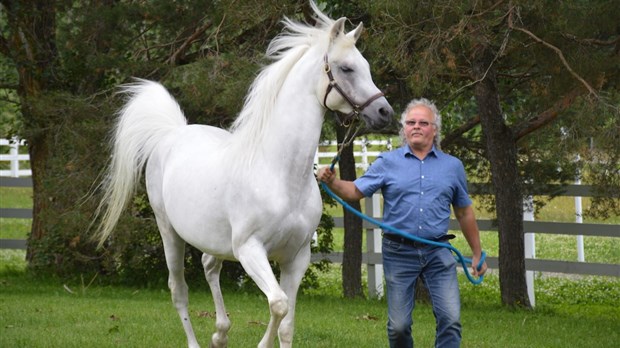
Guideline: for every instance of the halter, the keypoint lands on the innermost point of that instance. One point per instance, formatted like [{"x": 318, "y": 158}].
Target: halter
[{"x": 357, "y": 109}]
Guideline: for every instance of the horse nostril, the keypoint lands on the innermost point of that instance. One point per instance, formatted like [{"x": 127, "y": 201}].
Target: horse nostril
[{"x": 385, "y": 111}]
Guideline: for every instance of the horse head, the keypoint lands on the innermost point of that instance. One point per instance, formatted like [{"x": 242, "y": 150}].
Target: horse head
[{"x": 347, "y": 73}]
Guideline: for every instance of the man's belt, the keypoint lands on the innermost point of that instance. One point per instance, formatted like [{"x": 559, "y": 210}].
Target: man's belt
[{"x": 406, "y": 241}]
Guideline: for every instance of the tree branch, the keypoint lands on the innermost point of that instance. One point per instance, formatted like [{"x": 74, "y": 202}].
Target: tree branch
[
  {"x": 457, "y": 133},
  {"x": 547, "y": 116},
  {"x": 4, "y": 46},
  {"x": 555, "y": 49},
  {"x": 9, "y": 86},
  {"x": 593, "y": 42},
  {"x": 180, "y": 53}
]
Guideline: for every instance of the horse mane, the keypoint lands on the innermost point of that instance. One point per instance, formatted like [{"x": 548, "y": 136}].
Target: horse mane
[{"x": 285, "y": 50}]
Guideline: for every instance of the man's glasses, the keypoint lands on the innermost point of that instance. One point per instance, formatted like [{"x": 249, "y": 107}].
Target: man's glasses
[{"x": 423, "y": 124}]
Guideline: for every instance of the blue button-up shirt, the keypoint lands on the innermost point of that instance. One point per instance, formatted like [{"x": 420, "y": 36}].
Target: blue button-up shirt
[{"x": 417, "y": 193}]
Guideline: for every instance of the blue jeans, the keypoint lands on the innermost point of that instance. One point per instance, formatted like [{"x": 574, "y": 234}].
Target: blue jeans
[{"x": 402, "y": 265}]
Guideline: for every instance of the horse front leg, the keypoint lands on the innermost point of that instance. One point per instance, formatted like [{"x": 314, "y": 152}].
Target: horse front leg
[
  {"x": 253, "y": 258},
  {"x": 291, "y": 275},
  {"x": 212, "y": 267}
]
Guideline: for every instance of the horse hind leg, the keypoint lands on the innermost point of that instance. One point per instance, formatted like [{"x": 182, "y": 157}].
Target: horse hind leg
[
  {"x": 174, "y": 248},
  {"x": 212, "y": 267}
]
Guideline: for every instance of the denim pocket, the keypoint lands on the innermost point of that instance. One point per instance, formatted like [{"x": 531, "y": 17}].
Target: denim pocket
[
  {"x": 391, "y": 245},
  {"x": 446, "y": 257}
]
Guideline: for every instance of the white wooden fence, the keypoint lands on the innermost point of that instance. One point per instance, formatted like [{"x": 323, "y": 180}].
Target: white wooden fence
[
  {"x": 372, "y": 258},
  {"x": 14, "y": 158},
  {"x": 363, "y": 156}
]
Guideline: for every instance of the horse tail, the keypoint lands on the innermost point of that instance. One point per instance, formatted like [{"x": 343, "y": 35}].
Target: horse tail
[{"x": 149, "y": 115}]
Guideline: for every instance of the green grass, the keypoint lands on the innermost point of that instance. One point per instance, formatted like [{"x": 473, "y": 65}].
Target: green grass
[
  {"x": 51, "y": 313},
  {"x": 15, "y": 197},
  {"x": 14, "y": 228}
]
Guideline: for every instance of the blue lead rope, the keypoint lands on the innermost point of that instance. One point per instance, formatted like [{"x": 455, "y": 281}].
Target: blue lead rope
[{"x": 459, "y": 257}]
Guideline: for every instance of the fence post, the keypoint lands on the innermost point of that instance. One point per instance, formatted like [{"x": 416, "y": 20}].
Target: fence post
[
  {"x": 581, "y": 257},
  {"x": 14, "y": 153},
  {"x": 316, "y": 158},
  {"x": 364, "y": 153},
  {"x": 373, "y": 245},
  {"x": 530, "y": 247}
]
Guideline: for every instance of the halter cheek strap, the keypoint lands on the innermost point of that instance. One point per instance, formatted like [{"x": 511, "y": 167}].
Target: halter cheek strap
[{"x": 357, "y": 109}]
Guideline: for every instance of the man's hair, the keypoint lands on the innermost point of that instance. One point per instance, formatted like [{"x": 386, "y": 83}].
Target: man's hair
[{"x": 436, "y": 116}]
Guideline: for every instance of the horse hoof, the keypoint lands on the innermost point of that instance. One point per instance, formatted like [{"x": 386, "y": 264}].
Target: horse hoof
[{"x": 217, "y": 342}]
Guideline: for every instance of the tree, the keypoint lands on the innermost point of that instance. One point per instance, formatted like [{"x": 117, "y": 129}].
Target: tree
[
  {"x": 512, "y": 71},
  {"x": 69, "y": 57},
  {"x": 32, "y": 48}
]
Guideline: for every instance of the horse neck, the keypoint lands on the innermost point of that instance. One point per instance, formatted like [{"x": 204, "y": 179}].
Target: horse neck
[
  {"x": 295, "y": 128},
  {"x": 283, "y": 133}
]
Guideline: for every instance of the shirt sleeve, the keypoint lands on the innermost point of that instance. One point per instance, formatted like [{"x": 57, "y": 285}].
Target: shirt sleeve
[
  {"x": 461, "y": 196},
  {"x": 373, "y": 179}
]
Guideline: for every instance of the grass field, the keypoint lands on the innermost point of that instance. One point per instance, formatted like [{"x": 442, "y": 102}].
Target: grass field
[
  {"x": 51, "y": 313},
  {"x": 15, "y": 197}
]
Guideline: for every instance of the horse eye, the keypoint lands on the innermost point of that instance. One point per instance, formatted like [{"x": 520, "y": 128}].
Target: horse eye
[{"x": 346, "y": 69}]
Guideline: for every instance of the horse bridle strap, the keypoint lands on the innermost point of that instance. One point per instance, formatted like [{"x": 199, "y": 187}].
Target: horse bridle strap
[{"x": 357, "y": 109}]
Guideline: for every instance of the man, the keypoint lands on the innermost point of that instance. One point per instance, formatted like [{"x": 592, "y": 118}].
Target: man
[{"x": 419, "y": 185}]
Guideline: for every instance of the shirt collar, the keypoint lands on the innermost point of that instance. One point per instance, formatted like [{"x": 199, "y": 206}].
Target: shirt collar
[{"x": 406, "y": 151}]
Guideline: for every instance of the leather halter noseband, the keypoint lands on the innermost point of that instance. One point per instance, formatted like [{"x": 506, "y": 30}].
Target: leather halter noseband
[{"x": 357, "y": 109}]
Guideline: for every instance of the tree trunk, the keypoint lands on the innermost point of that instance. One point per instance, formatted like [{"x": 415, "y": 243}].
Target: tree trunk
[
  {"x": 352, "y": 256},
  {"x": 33, "y": 49},
  {"x": 501, "y": 151},
  {"x": 37, "y": 148}
]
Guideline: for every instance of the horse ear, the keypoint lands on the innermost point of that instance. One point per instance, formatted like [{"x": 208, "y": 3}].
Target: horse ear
[
  {"x": 357, "y": 32},
  {"x": 337, "y": 28}
]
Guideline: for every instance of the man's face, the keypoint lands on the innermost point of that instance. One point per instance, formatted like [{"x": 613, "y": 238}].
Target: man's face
[{"x": 420, "y": 128}]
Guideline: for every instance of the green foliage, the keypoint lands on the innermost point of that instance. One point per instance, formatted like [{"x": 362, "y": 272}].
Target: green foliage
[
  {"x": 10, "y": 122},
  {"x": 431, "y": 49},
  {"x": 211, "y": 90},
  {"x": 72, "y": 144}
]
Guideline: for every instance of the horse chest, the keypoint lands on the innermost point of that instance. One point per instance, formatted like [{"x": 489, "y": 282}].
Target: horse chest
[
  {"x": 279, "y": 216},
  {"x": 291, "y": 216}
]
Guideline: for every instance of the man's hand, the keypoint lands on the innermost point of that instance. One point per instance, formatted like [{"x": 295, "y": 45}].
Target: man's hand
[
  {"x": 475, "y": 260},
  {"x": 326, "y": 175}
]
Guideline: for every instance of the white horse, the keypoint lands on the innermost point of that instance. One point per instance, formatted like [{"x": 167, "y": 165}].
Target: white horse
[{"x": 248, "y": 194}]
